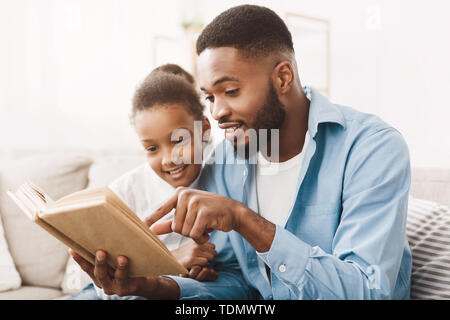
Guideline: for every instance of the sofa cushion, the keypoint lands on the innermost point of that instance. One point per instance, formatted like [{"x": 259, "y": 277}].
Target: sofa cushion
[
  {"x": 39, "y": 258},
  {"x": 106, "y": 169},
  {"x": 31, "y": 293},
  {"x": 428, "y": 230},
  {"x": 9, "y": 277},
  {"x": 432, "y": 184}
]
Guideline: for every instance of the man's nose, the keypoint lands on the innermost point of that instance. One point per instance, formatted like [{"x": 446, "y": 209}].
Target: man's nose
[{"x": 220, "y": 109}]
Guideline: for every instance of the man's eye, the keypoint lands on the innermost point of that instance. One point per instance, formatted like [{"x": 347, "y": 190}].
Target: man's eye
[
  {"x": 231, "y": 92},
  {"x": 209, "y": 98},
  {"x": 151, "y": 149}
]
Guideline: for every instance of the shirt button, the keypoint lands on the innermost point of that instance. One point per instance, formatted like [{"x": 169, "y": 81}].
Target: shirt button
[
  {"x": 282, "y": 268},
  {"x": 244, "y": 173}
]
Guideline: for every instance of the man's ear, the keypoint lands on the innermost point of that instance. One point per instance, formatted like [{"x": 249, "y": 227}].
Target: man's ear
[
  {"x": 206, "y": 129},
  {"x": 283, "y": 77}
]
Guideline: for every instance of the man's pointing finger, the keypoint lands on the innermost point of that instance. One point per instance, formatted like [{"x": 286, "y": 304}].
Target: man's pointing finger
[
  {"x": 162, "y": 227},
  {"x": 168, "y": 206}
]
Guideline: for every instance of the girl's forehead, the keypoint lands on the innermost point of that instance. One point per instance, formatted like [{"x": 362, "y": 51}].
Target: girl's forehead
[{"x": 159, "y": 122}]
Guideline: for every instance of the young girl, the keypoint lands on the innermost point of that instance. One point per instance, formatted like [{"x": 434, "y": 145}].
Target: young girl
[{"x": 165, "y": 105}]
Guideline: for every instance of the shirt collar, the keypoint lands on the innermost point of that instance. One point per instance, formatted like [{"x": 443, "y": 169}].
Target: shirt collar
[{"x": 321, "y": 111}]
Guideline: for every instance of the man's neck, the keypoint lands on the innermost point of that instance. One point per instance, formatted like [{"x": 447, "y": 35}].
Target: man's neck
[{"x": 294, "y": 128}]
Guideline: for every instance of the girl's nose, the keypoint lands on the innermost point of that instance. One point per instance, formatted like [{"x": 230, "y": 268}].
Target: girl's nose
[{"x": 172, "y": 157}]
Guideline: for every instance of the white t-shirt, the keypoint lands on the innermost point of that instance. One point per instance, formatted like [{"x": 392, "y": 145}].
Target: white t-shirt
[
  {"x": 276, "y": 185},
  {"x": 143, "y": 191}
]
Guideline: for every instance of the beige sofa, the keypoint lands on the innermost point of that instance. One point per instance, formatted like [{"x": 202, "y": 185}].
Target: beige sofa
[{"x": 45, "y": 269}]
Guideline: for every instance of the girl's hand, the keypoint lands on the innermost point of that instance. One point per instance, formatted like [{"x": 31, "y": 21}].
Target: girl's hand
[
  {"x": 193, "y": 254},
  {"x": 195, "y": 257},
  {"x": 201, "y": 274}
]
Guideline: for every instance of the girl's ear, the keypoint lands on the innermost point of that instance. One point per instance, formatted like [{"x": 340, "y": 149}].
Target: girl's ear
[{"x": 206, "y": 129}]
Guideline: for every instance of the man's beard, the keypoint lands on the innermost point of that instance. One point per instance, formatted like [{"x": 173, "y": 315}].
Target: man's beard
[{"x": 270, "y": 116}]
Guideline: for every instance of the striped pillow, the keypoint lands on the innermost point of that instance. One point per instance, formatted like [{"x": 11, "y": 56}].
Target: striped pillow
[{"x": 428, "y": 230}]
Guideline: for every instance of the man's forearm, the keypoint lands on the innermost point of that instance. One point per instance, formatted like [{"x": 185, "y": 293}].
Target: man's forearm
[
  {"x": 160, "y": 288},
  {"x": 255, "y": 229}
]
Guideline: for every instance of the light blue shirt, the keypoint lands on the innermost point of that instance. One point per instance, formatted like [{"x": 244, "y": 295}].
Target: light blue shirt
[{"x": 345, "y": 237}]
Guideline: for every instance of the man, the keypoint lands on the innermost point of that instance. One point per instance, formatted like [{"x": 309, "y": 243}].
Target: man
[{"x": 329, "y": 222}]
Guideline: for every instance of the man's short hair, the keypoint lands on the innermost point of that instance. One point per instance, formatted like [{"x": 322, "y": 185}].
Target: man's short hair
[{"x": 254, "y": 30}]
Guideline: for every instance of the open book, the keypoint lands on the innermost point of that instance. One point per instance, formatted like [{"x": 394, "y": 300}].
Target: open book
[{"x": 96, "y": 218}]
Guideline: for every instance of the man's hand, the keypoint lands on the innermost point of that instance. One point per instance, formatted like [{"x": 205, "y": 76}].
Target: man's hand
[
  {"x": 195, "y": 257},
  {"x": 121, "y": 284},
  {"x": 197, "y": 213}
]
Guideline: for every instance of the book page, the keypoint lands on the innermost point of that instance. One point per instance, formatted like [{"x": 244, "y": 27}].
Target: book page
[
  {"x": 41, "y": 193},
  {"x": 33, "y": 196},
  {"x": 29, "y": 200}
]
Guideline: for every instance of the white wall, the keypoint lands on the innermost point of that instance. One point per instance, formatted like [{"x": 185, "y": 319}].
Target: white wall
[{"x": 69, "y": 68}]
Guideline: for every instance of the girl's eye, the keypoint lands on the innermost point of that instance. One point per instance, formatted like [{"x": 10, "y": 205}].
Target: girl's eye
[
  {"x": 151, "y": 149},
  {"x": 179, "y": 140},
  {"x": 231, "y": 92},
  {"x": 209, "y": 98}
]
